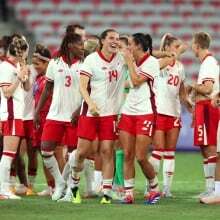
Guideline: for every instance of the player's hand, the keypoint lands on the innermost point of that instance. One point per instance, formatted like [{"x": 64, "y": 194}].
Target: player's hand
[
  {"x": 216, "y": 100},
  {"x": 23, "y": 74},
  {"x": 36, "y": 120},
  {"x": 93, "y": 109},
  {"x": 128, "y": 57},
  {"x": 75, "y": 117}
]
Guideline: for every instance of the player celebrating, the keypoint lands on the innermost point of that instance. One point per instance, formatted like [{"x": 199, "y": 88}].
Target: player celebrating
[
  {"x": 170, "y": 89},
  {"x": 101, "y": 85},
  {"x": 13, "y": 81},
  {"x": 137, "y": 120},
  {"x": 62, "y": 77},
  {"x": 206, "y": 116}
]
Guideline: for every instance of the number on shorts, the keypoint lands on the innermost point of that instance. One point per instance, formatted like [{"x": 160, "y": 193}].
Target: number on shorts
[
  {"x": 177, "y": 123},
  {"x": 200, "y": 131},
  {"x": 68, "y": 81},
  {"x": 147, "y": 126}
]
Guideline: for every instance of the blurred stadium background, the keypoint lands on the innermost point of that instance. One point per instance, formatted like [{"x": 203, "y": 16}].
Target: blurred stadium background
[{"x": 44, "y": 21}]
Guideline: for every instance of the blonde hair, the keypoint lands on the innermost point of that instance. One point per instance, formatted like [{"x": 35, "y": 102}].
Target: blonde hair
[{"x": 167, "y": 40}]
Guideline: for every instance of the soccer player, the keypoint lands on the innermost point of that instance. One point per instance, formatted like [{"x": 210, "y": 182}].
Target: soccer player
[
  {"x": 214, "y": 198},
  {"x": 137, "y": 120},
  {"x": 13, "y": 81},
  {"x": 169, "y": 92},
  {"x": 101, "y": 85},
  {"x": 63, "y": 79},
  {"x": 206, "y": 116}
]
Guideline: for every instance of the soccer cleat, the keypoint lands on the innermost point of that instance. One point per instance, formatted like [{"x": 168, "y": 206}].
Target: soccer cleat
[
  {"x": 204, "y": 194},
  {"x": 90, "y": 195},
  {"x": 128, "y": 199},
  {"x": 106, "y": 200},
  {"x": 212, "y": 199},
  {"x": 46, "y": 192},
  {"x": 58, "y": 192},
  {"x": 30, "y": 192},
  {"x": 152, "y": 198},
  {"x": 166, "y": 194},
  {"x": 21, "y": 189},
  {"x": 76, "y": 199},
  {"x": 68, "y": 196},
  {"x": 10, "y": 195}
]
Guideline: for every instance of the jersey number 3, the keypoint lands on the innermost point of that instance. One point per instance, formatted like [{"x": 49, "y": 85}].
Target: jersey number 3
[{"x": 68, "y": 81}]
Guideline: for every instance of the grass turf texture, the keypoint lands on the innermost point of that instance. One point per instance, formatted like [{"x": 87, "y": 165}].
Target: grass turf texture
[{"x": 187, "y": 183}]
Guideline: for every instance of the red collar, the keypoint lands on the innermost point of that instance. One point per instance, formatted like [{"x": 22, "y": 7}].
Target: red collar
[
  {"x": 207, "y": 55},
  {"x": 145, "y": 57},
  {"x": 74, "y": 60},
  {"x": 9, "y": 61},
  {"x": 104, "y": 58}
]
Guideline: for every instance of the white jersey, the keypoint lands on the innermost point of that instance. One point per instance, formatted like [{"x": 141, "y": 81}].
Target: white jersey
[
  {"x": 140, "y": 99},
  {"x": 106, "y": 85},
  {"x": 13, "y": 107},
  {"x": 167, "y": 90},
  {"x": 28, "y": 96},
  {"x": 66, "y": 97},
  {"x": 209, "y": 70}
]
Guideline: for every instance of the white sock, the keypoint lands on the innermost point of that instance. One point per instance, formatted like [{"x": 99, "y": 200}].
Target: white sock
[
  {"x": 217, "y": 188},
  {"x": 31, "y": 180},
  {"x": 154, "y": 184},
  {"x": 107, "y": 186},
  {"x": 155, "y": 159},
  {"x": 89, "y": 174},
  {"x": 211, "y": 173},
  {"x": 97, "y": 184},
  {"x": 168, "y": 168},
  {"x": 129, "y": 186},
  {"x": 5, "y": 166},
  {"x": 66, "y": 171},
  {"x": 52, "y": 165},
  {"x": 206, "y": 172}
]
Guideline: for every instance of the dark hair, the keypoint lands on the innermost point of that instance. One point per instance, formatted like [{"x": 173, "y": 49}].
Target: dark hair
[
  {"x": 124, "y": 39},
  {"x": 71, "y": 28},
  {"x": 42, "y": 51},
  {"x": 203, "y": 39},
  {"x": 167, "y": 40},
  {"x": 68, "y": 39},
  {"x": 104, "y": 34},
  {"x": 5, "y": 42},
  {"x": 144, "y": 40}
]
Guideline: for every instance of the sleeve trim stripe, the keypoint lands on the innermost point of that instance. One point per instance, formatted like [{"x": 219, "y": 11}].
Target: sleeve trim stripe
[
  {"x": 5, "y": 84},
  {"x": 208, "y": 79},
  {"x": 147, "y": 75},
  {"x": 82, "y": 72},
  {"x": 49, "y": 80}
]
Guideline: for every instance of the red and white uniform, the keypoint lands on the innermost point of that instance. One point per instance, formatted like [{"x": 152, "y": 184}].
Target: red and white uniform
[
  {"x": 138, "y": 112},
  {"x": 12, "y": 108},
  {"x": 66, "y": 99},
  {"x": 38, "y": 88},
  {"x": 167, "y": 97},
  {"x": 106, "y": 86},
  {"x": 206, "y": 116},
  {"x": 29, "y": 105}
]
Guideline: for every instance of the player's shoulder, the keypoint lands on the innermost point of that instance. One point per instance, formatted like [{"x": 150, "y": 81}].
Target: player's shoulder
[{"x": 210, "y": 60}]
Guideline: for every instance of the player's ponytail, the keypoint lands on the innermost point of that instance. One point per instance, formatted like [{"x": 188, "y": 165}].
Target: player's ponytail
[
  {"x": 167, "y": 40},
  {"x": 144, "y": 40}
]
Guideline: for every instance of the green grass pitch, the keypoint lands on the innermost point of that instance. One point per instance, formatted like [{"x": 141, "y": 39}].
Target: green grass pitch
[{"x": 188, "y": 182}]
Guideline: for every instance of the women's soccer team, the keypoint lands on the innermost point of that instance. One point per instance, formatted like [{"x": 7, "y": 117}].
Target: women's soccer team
[{"x": 98, "y": 103}]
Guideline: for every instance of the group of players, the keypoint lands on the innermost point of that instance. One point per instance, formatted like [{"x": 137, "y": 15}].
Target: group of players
[{"x": 97, "y": 95}]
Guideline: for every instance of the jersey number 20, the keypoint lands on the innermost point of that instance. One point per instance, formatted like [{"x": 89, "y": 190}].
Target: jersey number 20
[{"x": 173, "y": 80}]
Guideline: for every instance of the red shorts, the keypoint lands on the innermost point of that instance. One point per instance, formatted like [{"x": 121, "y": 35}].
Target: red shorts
[
  {"x": 137, "y": 124},
  {"x": 59, "y": 132},
  {"x": 28, "y": 129},
  {"x": 13, "y": 128},
  {"x": 102, "y": 127},
  {"x": 166, "y": 122},
  {"x": 206, "y": 124},
  {"x": 37, "y": 133}
]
